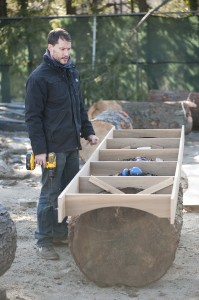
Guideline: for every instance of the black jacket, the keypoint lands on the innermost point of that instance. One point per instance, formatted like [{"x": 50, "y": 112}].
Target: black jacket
[{"x": 54, "y": 111}]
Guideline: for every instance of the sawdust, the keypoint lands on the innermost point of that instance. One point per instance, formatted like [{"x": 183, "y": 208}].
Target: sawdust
[{"x": 31, "y": 278}]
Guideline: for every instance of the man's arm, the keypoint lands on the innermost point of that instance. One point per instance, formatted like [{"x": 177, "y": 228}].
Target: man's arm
[{"x": 34, "y": 108}]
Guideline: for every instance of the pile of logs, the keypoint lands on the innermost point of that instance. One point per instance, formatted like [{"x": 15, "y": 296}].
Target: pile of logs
[
  {"x": 8, "y": 240},
  {"x": 154, "y": 114},
  {"x": 12, "y": 117},
  {"x": 162, "y": 109},
  {"x": 189, "y": 100}
]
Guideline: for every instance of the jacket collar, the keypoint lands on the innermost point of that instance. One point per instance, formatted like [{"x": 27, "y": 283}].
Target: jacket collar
[{"x": 48, "y": 59}]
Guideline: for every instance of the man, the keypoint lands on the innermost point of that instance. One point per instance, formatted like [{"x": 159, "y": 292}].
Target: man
[{"x": 56, "y": 119}]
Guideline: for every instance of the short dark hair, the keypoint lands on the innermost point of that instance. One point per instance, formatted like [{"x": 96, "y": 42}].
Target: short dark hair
[{"x": 57, "y": 33}]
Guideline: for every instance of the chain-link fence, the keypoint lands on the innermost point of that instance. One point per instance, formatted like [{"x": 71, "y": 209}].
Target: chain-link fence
[{"x": 114, "y": 61}]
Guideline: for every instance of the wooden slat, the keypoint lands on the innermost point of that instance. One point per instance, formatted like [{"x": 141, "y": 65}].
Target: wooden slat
[
  {"x": 121, "y": 182},
  {"x": 134, "y": 143},
  {"x": 158, "y": 205},
  {"x": 100, "y": 168},
  {"x": 105, "y": 186},
  {"x": 121, "y": 154},
  {"x": 143, "y": 133},
  {"x": 174, "y": 195},
  {"x": 154, "y": 188}
]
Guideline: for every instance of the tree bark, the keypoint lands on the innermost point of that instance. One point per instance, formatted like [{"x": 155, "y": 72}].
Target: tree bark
[
  {"x": 70, "y": 9},
  {"x": 8, "y": 240},
  {"x": 124, "y": 246},
  {"x": 3, "y": 8}
]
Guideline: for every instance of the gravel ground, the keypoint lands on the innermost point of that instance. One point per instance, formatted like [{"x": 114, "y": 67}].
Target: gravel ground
[{"x": 31, "y": 278}]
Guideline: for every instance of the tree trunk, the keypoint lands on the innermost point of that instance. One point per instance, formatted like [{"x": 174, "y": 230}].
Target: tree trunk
[
  {"x": 5, "y": 84},
  {"x": 70, "y": 9},
  {"x": 8, "y": 240},
  {"x": 3, "y": 8},
  {"x": 124, "y": 246},
  {"x": 143, "y": 6},
  {"x": 193, "y": 5}
]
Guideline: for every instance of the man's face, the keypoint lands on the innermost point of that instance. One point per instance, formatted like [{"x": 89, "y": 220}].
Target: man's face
[{"x": 60, "y": 51}]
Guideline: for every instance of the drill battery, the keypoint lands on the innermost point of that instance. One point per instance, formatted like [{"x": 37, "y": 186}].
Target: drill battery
[{"x": 30, "y": 161}]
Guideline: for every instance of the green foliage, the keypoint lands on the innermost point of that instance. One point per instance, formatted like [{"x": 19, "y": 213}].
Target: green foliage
[{"x": 162, "y": 55}]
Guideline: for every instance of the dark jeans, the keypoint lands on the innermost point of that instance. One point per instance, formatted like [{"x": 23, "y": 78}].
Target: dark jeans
[{"x": 48, "y": 227}]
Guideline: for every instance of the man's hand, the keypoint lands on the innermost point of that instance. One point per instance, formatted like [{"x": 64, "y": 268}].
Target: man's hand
[
  {"x": 40, "y": 159},
  {"x": 93, "y": 139}
]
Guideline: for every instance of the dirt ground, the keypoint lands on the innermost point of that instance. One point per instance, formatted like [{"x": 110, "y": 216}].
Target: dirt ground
[{"x": 32, "y": 278}]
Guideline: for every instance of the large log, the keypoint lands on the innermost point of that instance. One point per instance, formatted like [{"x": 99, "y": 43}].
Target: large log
[
  {"x": 103, "y": 105},
  {"x": 146, "y": 115},
  {"x": 160, "y": 115},
  {"x": 124, "y": 246},
  {"x": 190, "y": 100},
  {"x": 8, "y": 240}
]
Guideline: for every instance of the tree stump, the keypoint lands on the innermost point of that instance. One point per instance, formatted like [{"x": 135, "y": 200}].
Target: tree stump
[
  {"x": 124, "y": 246},
  {"x": 8, "y": 240}
]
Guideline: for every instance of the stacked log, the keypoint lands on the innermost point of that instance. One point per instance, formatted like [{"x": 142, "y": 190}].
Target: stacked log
[
  {"x": 158, "y": 115},
  {"x": 154, "y": 115},
  {"x": 190, "y": 100},
  {"x": 8, "y": 240},
  {"x": 12, "y": 117}
]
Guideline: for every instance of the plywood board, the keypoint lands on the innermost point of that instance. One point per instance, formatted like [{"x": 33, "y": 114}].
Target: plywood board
[
  {"x": 111, "y": 168},
  {"x": 122, "y": 182},
  {"x": 158, "y": 205},
  {"x": 134, "y": 143},
  {"x": 121, "y": 154},
  {"x": 147, "y": 133}
]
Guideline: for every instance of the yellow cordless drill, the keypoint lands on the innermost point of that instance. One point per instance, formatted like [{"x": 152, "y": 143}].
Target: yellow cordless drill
[{"x": 50, "y": 163}]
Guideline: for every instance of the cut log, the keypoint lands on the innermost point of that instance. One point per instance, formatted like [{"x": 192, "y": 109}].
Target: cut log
[
  {"x": 190, "y": 100},
  {"x": 160, "y": 115},
  {"x": 8, "y": 240},
  {"x": 124, "y": 246},
  {"x": 102, "y": 124},
  {"x": 102, "y": 105}
]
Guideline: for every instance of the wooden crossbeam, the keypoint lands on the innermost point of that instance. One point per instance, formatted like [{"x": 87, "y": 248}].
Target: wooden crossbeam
[
  {"x": 105, "y": 186},
  {"x": 159, "y": 186}
]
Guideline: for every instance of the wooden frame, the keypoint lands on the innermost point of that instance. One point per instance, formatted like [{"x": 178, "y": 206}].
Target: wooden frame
[{"x": 160, "y": 192}]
